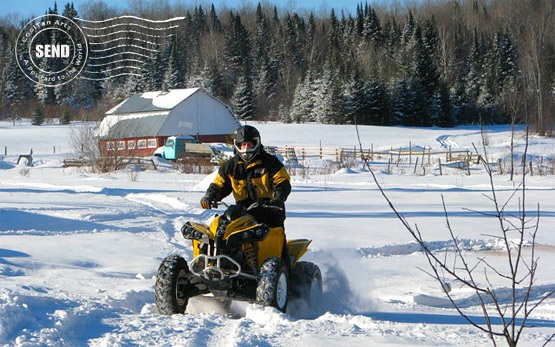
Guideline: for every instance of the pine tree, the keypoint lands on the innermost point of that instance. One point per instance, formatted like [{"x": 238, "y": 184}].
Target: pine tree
[
  {"x": 113, "y": 89},
  {"x": 152, "y": 76},
  {"x": 214, "y": 23},
  {"x": 334, "y": 40},
  {"x": 237, "y": 45},
  {"x": 38, "y": 117},
  {"x": 269, "y": 77},
  {"x": 441, "y": 113},
  {"x": 303, "y": 100},
  {"x": 69, "y": 11},
  {"x": 372, "y": 30},
  {"x": 377, "y": 103},
  {"x": 175, "y": 75},
  {"x": 65, "y": 118},
  {"x": 13, "y": 86},
  {"x": 262, "y": 40},
  {"x": 405, "y": 104},
  {"x": 328, "y": 103},
  {"x": 243, "y": 98},
  {"x": 295, "y": 29},
  {"x": 44, "y": 94},
  {"x": 82, "y": 95},
  {"x": 356, "y": 106},
  {"x": 474, "y": 63}
]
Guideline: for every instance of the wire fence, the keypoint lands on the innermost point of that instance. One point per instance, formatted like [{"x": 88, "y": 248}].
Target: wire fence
[
  {"x": 307, "y": 160},
  {"x": 410, "y": 160}
]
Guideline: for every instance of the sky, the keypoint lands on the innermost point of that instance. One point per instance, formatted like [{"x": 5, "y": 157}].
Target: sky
[{"x": 27, "y": 8}]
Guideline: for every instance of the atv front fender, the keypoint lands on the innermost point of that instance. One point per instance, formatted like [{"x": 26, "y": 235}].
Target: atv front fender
[{"x": 297, "y": 248}]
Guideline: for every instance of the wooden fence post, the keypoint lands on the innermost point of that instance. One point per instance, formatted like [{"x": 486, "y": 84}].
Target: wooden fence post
[
  {"x": 391, "y": 154},
  {"x": 531, "y": 169},
  {"x": 439, "y": 164}
]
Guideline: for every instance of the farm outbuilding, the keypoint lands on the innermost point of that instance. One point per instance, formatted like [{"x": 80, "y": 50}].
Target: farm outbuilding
[{"x": 144, "y": 121}]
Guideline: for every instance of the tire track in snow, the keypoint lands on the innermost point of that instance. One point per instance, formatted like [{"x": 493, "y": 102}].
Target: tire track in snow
[
  {"x": 447, "y": 141},
  {"x": 467, "y": 245},
  {"x": 173, "y": 211}
]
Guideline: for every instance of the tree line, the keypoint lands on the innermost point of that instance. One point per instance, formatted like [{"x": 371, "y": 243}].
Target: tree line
[{"x": 437, "y": 63}]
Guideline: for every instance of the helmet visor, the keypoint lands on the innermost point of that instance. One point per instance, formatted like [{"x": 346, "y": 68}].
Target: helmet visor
[{"x": 247, "y": 150}]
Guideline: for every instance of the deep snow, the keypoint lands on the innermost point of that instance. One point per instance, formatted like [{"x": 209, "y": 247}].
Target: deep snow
[{"x": 79, "y": 251}]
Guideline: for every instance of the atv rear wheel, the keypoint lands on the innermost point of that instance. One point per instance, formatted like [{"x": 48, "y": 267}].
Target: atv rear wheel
[
  {"x": 273, "y": 283},
  {"x": 173, "y": 286},
  {"x": 306, "y": 283}
]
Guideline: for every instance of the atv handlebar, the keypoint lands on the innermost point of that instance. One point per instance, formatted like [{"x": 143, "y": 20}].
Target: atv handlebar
[{"x": 215, "y": 204}]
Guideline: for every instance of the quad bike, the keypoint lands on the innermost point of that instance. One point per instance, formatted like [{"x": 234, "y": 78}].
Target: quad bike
[{"x": 236, "y": 258}]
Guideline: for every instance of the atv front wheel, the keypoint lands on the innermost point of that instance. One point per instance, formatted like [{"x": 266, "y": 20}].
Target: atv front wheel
[
  {"x": 306, "y": 283},
  {"x": 173, "y": 286},
  {"x": 273, "y": 284}
]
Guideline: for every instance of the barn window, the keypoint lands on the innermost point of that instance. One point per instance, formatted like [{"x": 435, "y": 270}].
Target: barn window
[
  {"x": 141, "y": 144},
  {"x": 121, "y": 145},
  {"x": 131, "y": 144},
  {"x": 110, "y": 145},
  {"x": 152, "y": 143}
]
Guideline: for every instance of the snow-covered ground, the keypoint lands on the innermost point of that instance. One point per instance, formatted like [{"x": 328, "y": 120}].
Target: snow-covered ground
[{"x": 79, "y": 251}]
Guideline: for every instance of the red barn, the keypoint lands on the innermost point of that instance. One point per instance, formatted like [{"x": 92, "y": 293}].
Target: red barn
[{"x": 143, "y": 122}]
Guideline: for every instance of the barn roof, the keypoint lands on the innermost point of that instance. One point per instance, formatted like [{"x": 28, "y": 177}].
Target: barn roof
[
  {"x": 143, "y": 126},
  {"x": 165, "y": 113},
  {"x": 152, "y": 101}
]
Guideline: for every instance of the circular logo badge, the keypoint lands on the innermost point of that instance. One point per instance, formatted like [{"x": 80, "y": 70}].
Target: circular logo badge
[{"x": 51, "y": 50}]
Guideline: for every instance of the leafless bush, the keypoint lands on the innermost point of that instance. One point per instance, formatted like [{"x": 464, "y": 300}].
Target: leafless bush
[
  {"x": 518, "y": 277},
  {"x": 517, "y": 233},
  {"x": 84, "y": 141},
  {"x": 195, "y": 164}
]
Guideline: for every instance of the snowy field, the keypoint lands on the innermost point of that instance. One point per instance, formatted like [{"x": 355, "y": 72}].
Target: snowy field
[{"x": 79, "y": 251}]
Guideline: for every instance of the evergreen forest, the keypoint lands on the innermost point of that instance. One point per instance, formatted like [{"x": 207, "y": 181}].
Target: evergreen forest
[{"x": 433, "y": 63}]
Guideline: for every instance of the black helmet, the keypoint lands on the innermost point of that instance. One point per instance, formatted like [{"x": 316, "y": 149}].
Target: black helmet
[{"x": 247, "y": 133}]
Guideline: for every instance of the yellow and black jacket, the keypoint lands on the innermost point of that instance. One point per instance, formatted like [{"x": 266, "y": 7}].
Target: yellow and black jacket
[{"x": 263, "y": 179}]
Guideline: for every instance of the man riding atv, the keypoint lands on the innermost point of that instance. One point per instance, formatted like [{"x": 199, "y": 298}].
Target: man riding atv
[
  {"x": 254, "y": 176},
  {"x": 242, "y": 253}
]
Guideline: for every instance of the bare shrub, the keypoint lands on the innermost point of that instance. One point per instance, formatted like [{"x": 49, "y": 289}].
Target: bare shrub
[{"x": 517, "y": 234}]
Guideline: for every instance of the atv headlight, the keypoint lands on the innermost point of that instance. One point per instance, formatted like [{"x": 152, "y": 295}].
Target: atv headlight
[
  {"x": 190, "y": 233},
  {"x": 247, "y": 235},
  {"x": 187, "y": 231},
  {"x": 261, "y": 231}
]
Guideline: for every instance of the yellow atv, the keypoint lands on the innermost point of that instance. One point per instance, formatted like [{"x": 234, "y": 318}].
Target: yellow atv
[{"x": 236, "y": 258}]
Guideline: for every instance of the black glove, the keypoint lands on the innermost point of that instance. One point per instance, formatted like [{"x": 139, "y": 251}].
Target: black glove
[
  {"x": 207, "y": 202},
  {"x": 277, "y": 202}
]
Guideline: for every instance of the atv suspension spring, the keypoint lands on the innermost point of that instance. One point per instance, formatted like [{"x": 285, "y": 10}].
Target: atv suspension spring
[{"x": 250, "y": 256}]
